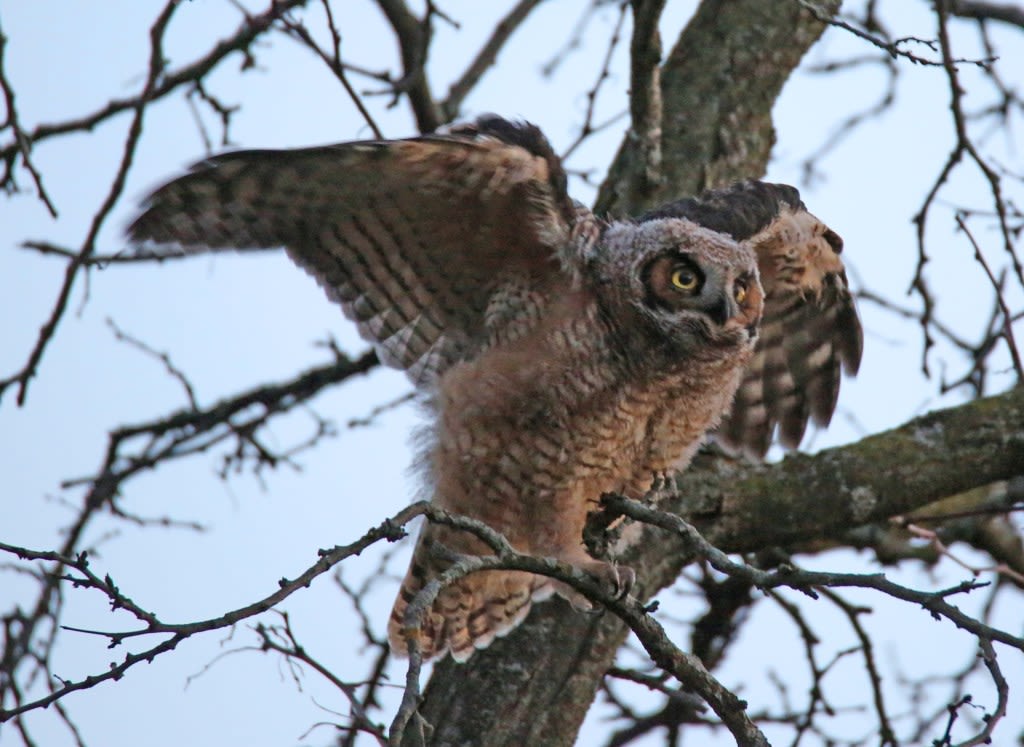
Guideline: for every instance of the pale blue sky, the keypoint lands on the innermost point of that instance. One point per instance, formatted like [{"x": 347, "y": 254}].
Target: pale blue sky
[{"x": 231, "y": 322}]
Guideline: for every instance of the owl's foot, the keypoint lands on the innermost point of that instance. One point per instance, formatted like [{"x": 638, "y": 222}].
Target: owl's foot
[
  {"x": 617, "y": 580},
  {"x": 661, "y": 485}
]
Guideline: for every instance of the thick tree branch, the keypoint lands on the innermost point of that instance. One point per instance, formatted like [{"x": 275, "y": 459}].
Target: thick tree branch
[
  {"x": 718, "y": 86},
  {"x": 737, "y": 506},
  {"x": 1011, "y": 13},
  {"x": 645, "y": 107},
  {"x": 413, "y": 37}
]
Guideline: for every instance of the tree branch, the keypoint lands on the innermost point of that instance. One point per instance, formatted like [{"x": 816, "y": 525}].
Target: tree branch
[
  {"x": 413, "y": 37},
  {"x": 718, "y": 86},
  {"x": 645, "y": 106},
  {"x": 737, "y": 507},
  {"x": 240, "y": 41},
  {"x": 452, "y": 105},
  {"x": 1012, "y": 14}
]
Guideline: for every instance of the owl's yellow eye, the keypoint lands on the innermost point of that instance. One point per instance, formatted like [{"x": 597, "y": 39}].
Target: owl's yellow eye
[
  {"x": 740, "y": 293},
  {"x": 684, "y": 278}
]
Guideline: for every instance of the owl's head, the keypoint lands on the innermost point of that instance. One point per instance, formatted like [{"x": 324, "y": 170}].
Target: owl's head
[{"x": 688, "y": 288}]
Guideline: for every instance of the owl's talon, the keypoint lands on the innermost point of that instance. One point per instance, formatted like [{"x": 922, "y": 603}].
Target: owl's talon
[
  {"x": 662, "y": 482},
  {"x": 618, "y": 580},
  {"x": 626, "y": 581}
]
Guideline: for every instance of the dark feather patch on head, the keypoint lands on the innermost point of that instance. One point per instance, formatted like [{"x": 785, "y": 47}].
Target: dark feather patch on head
[{"x": 740, "y": 210}]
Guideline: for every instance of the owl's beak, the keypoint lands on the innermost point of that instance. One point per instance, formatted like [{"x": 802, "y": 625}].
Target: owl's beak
[
  {"x": 729, "y": 314},
  {"x": 723, "y": 309}
]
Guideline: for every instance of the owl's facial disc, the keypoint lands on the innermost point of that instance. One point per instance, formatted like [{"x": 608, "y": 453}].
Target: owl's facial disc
[
  {"x": 704, "y": 298},
  {"x": 676, "y": 281}
]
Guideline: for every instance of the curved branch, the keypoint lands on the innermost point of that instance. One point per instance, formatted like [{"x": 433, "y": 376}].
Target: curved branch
[{"x": 413, "y": 37}]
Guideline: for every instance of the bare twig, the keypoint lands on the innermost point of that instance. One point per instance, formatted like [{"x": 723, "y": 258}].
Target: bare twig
[
  {"x": 281, "y": 638},
  {"x": 156, "y": 70},
  {"x": 223, "y": 111},
  {"x": 894, "y": 48},
  {"x": 503, "y": 31},
  {"x": 588, "y": 127},
  {"x": 1008, "y": 318},
  {"x": 45, "y": 248},
  {"x": 164, "y": 358},
  {"x": 333, "y": 62},
  {"x": 389, "y": 530},
  {"x": 22, "y": 142},
  {"x": 886, "y": 733}
]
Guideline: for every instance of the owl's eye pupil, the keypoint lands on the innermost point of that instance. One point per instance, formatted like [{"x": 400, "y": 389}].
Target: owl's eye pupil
[{"x": 684, "y": 279}]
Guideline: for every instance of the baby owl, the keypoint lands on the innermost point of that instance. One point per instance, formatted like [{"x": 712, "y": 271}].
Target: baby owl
[{"x": 563, "y": 356}]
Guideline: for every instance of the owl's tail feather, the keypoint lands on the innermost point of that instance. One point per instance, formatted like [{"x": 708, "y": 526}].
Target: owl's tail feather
[{"x": 466, "y": 615}]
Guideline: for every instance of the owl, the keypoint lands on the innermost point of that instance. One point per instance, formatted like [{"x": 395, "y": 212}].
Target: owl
[{"x": 562, "y": 356}]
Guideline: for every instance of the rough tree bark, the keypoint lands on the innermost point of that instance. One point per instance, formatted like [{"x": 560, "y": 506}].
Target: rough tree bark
[{"x": 717, "y": 88}]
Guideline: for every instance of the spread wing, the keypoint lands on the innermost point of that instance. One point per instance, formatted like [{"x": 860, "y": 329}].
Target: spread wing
[
  {"x": 409, "y": 236},
  {"x": 810, "y": 332}
]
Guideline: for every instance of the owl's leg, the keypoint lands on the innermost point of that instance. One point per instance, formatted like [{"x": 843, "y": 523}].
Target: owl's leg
[{"x": 559, "y": 528}]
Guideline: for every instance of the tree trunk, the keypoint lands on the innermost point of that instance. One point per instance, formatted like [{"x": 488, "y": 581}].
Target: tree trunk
[{"x": 717, "y": 88}]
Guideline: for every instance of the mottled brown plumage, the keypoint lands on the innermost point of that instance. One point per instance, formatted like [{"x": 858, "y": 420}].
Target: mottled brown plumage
[
  {"x": 564, "y": 357},
  {"x": 810, "y": 331}
]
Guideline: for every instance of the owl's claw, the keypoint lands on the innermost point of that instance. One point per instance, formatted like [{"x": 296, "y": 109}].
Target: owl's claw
[
  {"x": 662, "y": 482},
  {"x": 627, "y": 580},
  {"x": 617, "y": 579}
]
